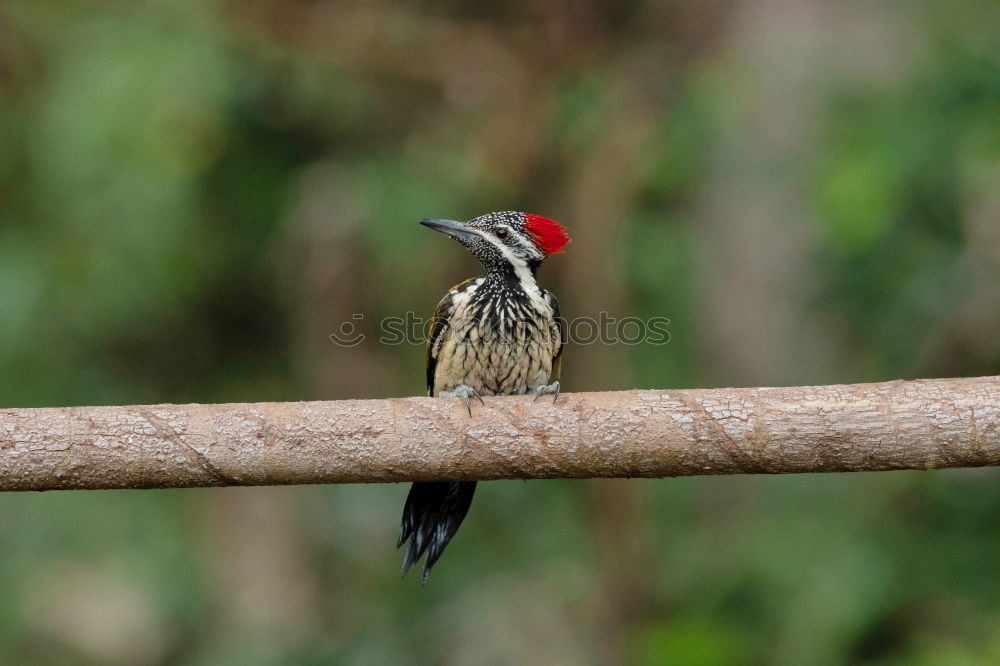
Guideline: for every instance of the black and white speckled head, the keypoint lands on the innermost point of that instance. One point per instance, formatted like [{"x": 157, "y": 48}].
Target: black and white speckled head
[{"x": 506, "y": 241}]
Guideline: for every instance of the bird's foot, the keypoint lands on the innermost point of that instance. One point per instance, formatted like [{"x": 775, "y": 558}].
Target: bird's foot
[
  {"x": 552, "y": 388},
  {"x": 465, "y": 392}
]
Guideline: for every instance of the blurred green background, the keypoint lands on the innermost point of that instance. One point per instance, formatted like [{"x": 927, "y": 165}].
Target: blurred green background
[{"x": 195, "y": 195}]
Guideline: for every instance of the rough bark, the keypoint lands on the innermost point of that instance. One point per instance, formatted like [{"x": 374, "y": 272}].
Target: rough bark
[{"x": 921, "y": 424}]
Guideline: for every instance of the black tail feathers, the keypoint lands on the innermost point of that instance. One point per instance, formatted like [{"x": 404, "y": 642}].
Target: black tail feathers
[{"x": 432, "y": 515}]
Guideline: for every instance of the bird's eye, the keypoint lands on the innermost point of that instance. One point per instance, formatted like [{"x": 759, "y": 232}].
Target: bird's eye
[{"x": 502, "y": 233}]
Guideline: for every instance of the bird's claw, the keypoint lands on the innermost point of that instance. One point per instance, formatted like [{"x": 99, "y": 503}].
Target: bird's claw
[
  {"x": 547, "y": 388},
  {"x": 465, "y": 392}
]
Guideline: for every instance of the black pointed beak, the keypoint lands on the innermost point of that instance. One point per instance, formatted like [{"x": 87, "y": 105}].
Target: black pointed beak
[{"x": 452, "y": 228}]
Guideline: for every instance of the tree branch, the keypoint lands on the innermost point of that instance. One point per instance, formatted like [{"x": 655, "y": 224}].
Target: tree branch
[{"x": 920, "y": 424}]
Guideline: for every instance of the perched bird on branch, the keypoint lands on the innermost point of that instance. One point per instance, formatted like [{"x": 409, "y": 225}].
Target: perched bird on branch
[{"x": 498, "y": 334}]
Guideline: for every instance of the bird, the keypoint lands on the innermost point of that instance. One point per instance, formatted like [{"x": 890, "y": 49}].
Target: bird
[{"x": 496, "y": 334}]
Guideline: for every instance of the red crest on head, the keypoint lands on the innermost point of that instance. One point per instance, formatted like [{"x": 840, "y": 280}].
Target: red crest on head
[{"x": 549, "y": 236}]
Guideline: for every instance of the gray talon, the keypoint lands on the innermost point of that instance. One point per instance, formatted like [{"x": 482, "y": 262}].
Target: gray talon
[
  {"x": 548, "y": 388},
  {"x": 465, "y": 392}
]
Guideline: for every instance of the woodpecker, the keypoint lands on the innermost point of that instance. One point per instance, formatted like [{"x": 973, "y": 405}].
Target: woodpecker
[{"x": 497, "y": 334}]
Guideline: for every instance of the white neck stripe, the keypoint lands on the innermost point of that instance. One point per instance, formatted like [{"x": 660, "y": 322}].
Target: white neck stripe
[{"x": 524, "y": 276}]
